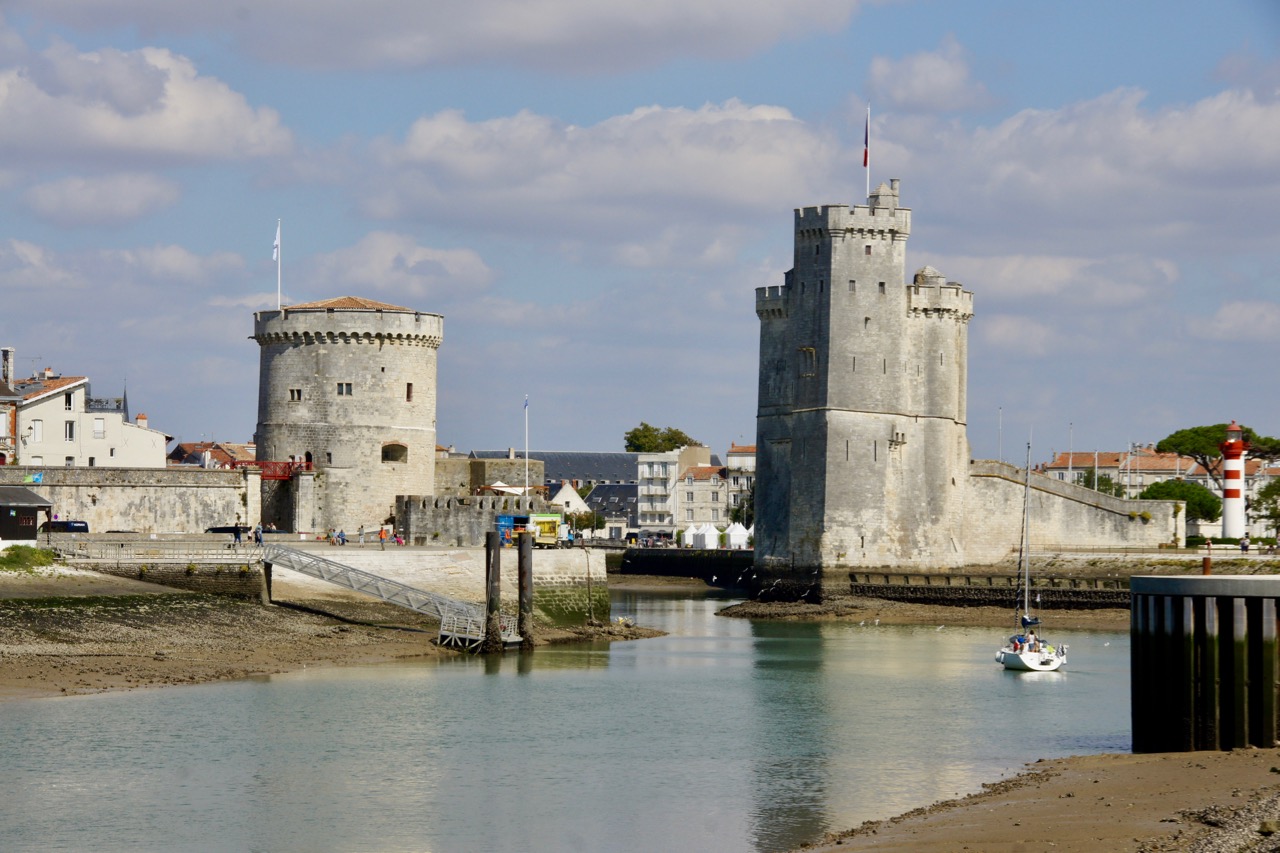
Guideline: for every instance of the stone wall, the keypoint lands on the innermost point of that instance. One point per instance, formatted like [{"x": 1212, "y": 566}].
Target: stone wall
[
  {"x": 461, "y": 522},
  {"x": 242, "y": 580},
  {"x": 145, "y": 500}
]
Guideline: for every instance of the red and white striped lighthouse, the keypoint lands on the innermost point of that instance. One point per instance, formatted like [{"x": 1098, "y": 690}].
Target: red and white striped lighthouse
[{"x": 1233, "y": 451}]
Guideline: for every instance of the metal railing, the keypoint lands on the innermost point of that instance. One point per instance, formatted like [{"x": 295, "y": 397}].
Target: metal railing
[{"x": 159, "y": 551}]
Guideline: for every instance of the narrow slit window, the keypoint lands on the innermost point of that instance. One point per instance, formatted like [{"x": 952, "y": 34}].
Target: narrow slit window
[
  {"x": 408, "y": 392},
  {"x": 853, "y": 286}
]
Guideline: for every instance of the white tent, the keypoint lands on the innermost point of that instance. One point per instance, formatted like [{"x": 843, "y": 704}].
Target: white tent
[
  {"x": 706, "y": 537},
  {"x": 736, "y": 536},
  {"x": 687, "y": 539}
]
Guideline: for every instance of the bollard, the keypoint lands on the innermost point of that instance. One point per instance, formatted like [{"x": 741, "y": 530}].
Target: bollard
[
  {"x": 524, "y": 622},
  {"x": 493, "y": 587},
  {"x": 1206, "y": 565}
]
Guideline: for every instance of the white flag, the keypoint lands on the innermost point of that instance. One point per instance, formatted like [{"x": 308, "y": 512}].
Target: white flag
[{"x": 275, "y": 250}]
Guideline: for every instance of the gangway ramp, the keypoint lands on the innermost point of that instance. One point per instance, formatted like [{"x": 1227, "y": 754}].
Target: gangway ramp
[{"x": 462, "y": 623}]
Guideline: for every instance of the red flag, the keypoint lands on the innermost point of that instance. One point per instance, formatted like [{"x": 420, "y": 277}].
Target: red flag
[{"x": 866, "y": 142}]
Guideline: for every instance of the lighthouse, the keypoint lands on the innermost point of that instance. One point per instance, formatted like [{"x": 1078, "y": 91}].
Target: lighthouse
[{"x": 1233, "y": 451}]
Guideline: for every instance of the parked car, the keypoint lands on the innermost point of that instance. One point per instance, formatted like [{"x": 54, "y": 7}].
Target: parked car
[
  {"x": 228, "y": 529},
  {"x": 63, "y": 526}
]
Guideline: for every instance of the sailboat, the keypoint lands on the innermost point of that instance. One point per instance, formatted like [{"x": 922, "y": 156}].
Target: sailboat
[{"x": 1026, "y": 651}]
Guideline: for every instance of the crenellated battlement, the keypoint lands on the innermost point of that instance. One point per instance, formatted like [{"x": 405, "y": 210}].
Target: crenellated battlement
[
  {"x": 940, "y": 300},
  {"x": 772, "y": 301},
  {"x": 880, "y": 218}
]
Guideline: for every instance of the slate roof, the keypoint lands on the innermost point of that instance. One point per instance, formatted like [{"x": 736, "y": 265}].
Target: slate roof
[
  {"x": 614, "y": 499},
  {"x": 348, "y": 303},
  {"x": 583, "y": 466},
  {"x": 14, "y": 496}
]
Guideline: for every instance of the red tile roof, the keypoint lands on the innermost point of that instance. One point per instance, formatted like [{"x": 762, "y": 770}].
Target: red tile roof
[
  {"x": 742, "y": 448},
  {"x": 48, "y": 386},
  {"x": 703, "y": 472},
  {"x": 348, "y": 303}
]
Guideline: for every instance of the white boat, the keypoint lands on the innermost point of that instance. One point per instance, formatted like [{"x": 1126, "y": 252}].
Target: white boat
[{"x": 1026, "y": 651}]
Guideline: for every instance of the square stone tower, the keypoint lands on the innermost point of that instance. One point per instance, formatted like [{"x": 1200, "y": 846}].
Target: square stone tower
[{"x": 862, "y": 453}]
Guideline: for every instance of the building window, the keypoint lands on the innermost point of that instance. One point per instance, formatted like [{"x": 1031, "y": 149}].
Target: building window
[
  {"x": 853, "y": 286},
  {"x": 112, "y": 453},
  {"x": 70, "y": 462},
  {"x": 688, "y": 481},
  {"x": 295, "y": 395},
  {"x": 688, "y": 496},
  {"x": 733, "y": 499},
  {"x": 868, "y": 249},
  {"x": 344, "y": 389},
  {"x": 688, "y": 515},
  {"x": 715, "y": 515},
  {"x": 37, "y": 431},
  {"x": 408, "y": 392},
  {"x": 99, "y": 427},
  {"x": 882, "y": 287},
  {"x": 715, "y": 481},
  {"x": 69, "y": 430},
  {"x": 66, "y": 401},
  {"x": 715, "y": 497},
  {"x": 395, "y": 453},
  {"x": 735, "y": 481},
  {"x": 92, "y": 462}
]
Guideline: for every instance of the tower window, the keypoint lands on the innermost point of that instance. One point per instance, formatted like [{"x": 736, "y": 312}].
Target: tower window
[
  {"x": 821, "y": 284},
  {"x": 344, "y": 389},
  {"x": 395, "y": 453},
  {"x": 868, "y": 249},
  {"x": 817, "y": 249},
  {"x": 853, "y": 286},
  {"x": 295, "y": 395},
  {"x": 853, "y": 364},
  {"x": 866, "y": 323},
  {"x": 882, "y": 287},
  {"x": 408, "y": 392}
]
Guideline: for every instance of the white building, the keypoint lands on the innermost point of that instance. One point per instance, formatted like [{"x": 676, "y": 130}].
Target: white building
[
  {"x": 659, "y": 506},
  {"x": 56, "y": 423}
]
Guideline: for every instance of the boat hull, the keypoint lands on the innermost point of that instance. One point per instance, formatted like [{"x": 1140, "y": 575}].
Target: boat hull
[{"x": 1024, "y": 661}]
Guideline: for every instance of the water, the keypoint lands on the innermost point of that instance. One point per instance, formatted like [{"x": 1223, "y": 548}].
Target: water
[{"x": 726, "y": 735}]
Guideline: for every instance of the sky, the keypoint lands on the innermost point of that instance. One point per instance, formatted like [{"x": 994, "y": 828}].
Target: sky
[{"x": 591, "y": 192}]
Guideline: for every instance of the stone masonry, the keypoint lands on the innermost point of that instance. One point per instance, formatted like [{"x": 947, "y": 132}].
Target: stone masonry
[
  {"x": 347, "y": 386},
  {"x": 862, "y": 451}
]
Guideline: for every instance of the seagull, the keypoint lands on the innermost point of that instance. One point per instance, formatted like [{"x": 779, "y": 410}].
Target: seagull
[
  {"x": 1107, "y": 643},
  {"x": 877, "y": 621},
  {"x": 863, "y": 622},
  {"x": 713, "y": 578},
  {"x": 940, "y": 627}
]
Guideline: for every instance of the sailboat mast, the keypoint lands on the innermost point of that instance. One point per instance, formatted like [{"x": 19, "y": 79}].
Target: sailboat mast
[{"x": 1023, "y": 555}]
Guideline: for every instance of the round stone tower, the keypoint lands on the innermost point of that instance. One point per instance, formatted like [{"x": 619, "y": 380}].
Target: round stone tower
[{"x": 347, "y": 387}]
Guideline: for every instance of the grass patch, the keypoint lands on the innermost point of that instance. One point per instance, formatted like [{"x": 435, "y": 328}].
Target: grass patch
[{"x": 24, "y": 558}]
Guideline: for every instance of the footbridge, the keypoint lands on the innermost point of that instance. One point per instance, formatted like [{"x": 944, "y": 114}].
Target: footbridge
[{"x": 462, "y": 623}]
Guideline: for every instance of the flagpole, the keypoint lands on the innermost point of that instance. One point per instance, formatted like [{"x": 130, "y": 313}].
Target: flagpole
[
  {"x": 279, "y": 264},
  {"x": 526, "y": 448}
]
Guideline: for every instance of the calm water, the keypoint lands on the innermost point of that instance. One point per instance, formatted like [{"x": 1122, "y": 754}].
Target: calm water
[{"x": 725, "y": 736}]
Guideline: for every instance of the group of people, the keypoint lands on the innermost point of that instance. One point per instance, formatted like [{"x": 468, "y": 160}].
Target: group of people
[{"x": 339, "y": 537}]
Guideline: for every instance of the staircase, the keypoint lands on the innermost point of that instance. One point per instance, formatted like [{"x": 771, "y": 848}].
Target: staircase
[{"x": 462, "y": 624}]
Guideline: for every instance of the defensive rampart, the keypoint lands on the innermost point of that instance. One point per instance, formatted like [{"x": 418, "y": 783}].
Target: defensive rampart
[
  {"x": 461, "y": 522},
  {"x": 145, "y": 500}
]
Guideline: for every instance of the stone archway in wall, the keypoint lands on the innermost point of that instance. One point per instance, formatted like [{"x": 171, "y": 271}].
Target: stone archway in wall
[{"x": 394, "y": 451}]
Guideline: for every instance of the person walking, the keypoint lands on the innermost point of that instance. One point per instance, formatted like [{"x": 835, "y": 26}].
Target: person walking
[
  {"x": 360, "y": 532},
  {"x": 257, "y": 535},
  {"x": 382, "y": 538}
]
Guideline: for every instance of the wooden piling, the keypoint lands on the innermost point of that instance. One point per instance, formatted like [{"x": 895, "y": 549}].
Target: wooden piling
[
  {"x": 1204, "y": 662},
  {"x": 493, "y": 588},
  {"x": 524, "y": 621}
]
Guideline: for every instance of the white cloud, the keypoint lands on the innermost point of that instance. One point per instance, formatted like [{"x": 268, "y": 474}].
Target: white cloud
[
  {"x": 1243, "y": 320},
  {"x": 1020, "y": 335},
  {"x": 641, "y": 177},
  {"x": 130, "y": 106},
  {"x": 564, "y": 35},
  {"x": 933, "y": 82},
  {"x": 104, "y": 200},
  {"x": 394, "y": 265},
  {"x": 28, "y": 267},
  {"x": 1084, "y": 282}
]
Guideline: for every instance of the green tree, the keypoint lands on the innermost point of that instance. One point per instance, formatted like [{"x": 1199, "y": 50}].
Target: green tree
[
  {"x": 1266, "y": 504},
  {"x": 585, "y": 520},
  {"x": 1201, "y": 444},
  {"x": 1105, "y": 484},
  {"x": 647, "y": 438},
  {"x": 1202, "y": 504}
]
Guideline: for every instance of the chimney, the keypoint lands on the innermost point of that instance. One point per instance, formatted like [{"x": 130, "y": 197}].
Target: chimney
[
  {"x": 48, "y": 373},
  {"x": 142, "y": 420},
  {"x": 6, "y": 365}
]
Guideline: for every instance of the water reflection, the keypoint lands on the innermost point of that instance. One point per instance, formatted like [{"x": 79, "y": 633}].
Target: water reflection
[{"x": 726, "y": 735}]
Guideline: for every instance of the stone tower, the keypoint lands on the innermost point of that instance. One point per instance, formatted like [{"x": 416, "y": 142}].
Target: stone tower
[
  {"x": 349, "y": 386},
  {"x": 862, "y": 452}
]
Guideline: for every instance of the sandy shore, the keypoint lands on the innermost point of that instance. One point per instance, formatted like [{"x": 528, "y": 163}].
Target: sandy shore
[{"x": 65, "y": 631}]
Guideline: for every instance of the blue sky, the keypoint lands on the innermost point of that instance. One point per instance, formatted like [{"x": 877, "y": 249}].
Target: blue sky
[{"x": 589, "y": 193}]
